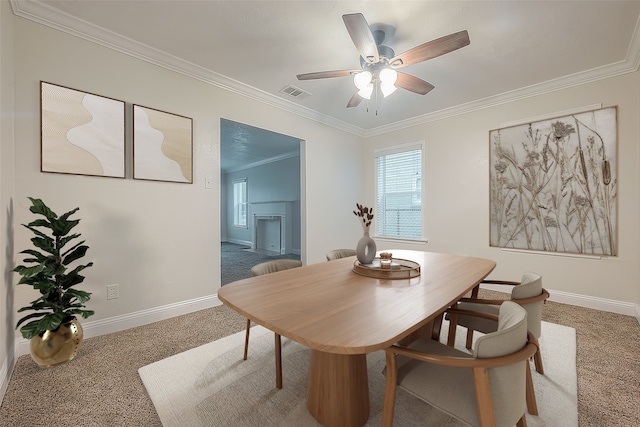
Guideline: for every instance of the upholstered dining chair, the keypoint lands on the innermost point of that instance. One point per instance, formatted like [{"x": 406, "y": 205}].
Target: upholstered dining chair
[
  {"x": 529, "y": 293},
  {"x": 340, "y": 253},
  {"x": 490, "y": 387},
  {"x": 258, "y": 270}
]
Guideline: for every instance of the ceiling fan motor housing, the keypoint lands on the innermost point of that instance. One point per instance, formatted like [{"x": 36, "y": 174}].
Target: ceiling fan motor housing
[{"x": 385, "y": 53}]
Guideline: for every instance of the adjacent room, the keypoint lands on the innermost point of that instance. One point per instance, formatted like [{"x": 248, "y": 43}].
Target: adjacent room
[
  {"x": 302, "y": 213},
  {"x": 259, "y": 198}
]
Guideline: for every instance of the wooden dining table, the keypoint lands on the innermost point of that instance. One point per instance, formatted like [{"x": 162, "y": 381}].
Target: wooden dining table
[{"x": 342, "y": 315}]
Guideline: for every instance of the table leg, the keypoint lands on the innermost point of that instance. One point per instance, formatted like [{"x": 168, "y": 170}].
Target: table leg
[{"x": 338, "y": 393}]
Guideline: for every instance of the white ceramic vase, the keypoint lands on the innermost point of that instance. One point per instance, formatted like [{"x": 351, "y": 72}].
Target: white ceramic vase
[{"x": 366, "y": 249}]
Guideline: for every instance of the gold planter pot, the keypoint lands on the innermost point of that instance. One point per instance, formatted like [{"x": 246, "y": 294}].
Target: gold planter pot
[{"x": 59, "y": 346}]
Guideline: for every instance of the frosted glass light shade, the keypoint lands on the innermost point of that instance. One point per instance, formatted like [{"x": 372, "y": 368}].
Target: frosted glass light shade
[
  {"x": 366, "y": 91},
  {"x": 387, "y": 89},
  {"x": 388, "y": 76},
  {"x": 362, "y": 80}
]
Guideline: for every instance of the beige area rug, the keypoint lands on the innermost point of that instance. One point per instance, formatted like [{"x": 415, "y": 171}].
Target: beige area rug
[{"x": 212, "y": 386}]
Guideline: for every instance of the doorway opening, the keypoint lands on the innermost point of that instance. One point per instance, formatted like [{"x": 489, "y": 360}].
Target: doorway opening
[{"x": 263, "y": 221}]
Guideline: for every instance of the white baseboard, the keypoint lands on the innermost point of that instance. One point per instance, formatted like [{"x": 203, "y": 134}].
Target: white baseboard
[
  {"x": 144, "y": 317},
  {"x": 131, "y": 320},
  {"x": 240, "y": 242},
  {"x": 602, "y": 304},
  {"x": 250, "y": 244}
]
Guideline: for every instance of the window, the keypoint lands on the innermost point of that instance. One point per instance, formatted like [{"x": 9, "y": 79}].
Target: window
[
  {"x": 399, "y": 191},
  {"x": 240, "y": 202}
]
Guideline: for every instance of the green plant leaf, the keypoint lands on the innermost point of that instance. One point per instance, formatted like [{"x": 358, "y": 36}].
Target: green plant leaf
[
  {"x": 68, "y": 214},
  {"x": 38, "y": 207},
  {"x": 39, "y": 223},
  {"x": 30, "y": 316},
  {"x": 71, "y": 280},
  {"x": 77, "y": 253},
  {"x": 82, "y": 296},
  {"x": 39, "y": 257},
  {"x": 62, "y": 227},
  {"x": 27, "y": 272},
  {"x": 50, "y": 321},
  {"x": 64, "y": 240},
  {"x": 83, "y": 313},
  {"x": 46, "y": 245},
  {"x": 38, "y": 232},
  {"x": 30, "y": 330}
]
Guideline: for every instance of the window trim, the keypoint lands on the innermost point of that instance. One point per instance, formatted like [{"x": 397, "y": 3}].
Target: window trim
[
  {"x": 395, "y": 149},
  {"x": 246, "y": 202}
]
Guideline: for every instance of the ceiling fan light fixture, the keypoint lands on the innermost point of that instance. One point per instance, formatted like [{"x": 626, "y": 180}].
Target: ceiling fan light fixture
[
  {"x": 387, "y": 89},
  {"x": 362, "y": 80},
  {"x": 388, "y": 76},
  {"x": 366, "y": 91}
]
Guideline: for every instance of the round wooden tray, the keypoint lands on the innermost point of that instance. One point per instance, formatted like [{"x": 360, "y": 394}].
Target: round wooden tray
[{"x": 400, "y": 269}]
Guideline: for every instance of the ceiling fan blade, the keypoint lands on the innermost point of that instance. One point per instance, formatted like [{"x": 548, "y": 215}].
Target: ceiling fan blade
[
  {"x": 413, "y": 84},
  {"x": 431, "y": 49},
  {"x": 354, "y": 101},
  {"x": 362, "y": 37},
  {"x": 326, "y": 74}
]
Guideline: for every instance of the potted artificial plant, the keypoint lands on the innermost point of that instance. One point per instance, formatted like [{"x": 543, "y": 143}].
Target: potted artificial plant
[{"x": 53, "y": 328}]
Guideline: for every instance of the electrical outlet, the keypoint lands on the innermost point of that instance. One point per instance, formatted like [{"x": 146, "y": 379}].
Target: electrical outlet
[{"x": 112, "y": 292}]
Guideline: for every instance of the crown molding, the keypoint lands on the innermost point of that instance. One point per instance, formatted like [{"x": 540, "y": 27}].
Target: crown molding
[
  {"x": 577, "y": 79},
  {"x": 51, "y": 17},
  {"x": 629, "y": 65},
  {"x": 263, "y": 162}
]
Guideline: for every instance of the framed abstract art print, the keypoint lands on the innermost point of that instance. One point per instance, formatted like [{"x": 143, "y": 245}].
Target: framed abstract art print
[{"x": 81, "y": 133}]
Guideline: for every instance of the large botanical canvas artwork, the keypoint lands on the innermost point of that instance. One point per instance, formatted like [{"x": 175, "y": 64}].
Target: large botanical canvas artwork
[
  {"x": 81, "y": 133},
  {"x": 162, "y": 146},
  {"x": 553, "y": 184}
]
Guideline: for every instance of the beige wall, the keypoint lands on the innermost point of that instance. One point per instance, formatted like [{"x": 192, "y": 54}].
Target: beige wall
[
  {"x": 160, "y": 241},
  {"x": 456, "y": 179}
]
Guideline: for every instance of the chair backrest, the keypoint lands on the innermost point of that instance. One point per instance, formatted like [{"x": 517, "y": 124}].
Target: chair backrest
[
  {"x": 340, "y": 253},
  {"x": 530, "y": 286},
  {"x": 508, "y": 383},
  {"x": 275, "y": 265}
]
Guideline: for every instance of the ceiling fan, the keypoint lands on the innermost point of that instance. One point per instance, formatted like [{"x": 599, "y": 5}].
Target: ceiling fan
[{"x": 379, "y": 63}]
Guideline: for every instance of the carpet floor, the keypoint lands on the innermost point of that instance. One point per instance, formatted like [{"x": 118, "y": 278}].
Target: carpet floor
[
  {"x": 210, "y": 386},
  {"x": 101, "y": 386}
]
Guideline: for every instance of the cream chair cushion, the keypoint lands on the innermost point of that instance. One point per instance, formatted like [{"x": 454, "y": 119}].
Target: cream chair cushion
[
  {"x": 340, "y": 253},
  {"x": 530, "y": 286},
  {"x": 275, "y": 265},
  {"x": 452, "y": 390}
]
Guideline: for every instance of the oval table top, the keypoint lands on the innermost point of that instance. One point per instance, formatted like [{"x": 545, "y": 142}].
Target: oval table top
[{"x": 328, "y": 307}]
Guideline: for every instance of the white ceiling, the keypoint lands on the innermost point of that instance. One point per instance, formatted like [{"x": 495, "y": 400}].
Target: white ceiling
[
  {"x": 243, "y": 146},
  {"x": 518, "y": 48}
]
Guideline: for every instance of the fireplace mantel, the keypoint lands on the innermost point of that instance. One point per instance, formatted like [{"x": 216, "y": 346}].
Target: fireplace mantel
[{"x": 271, "y": 211}]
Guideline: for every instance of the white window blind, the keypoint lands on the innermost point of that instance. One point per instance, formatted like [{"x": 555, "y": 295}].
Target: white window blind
[
  {"x": 240, "y": 203},
  {"x": 399, "y": 193}
]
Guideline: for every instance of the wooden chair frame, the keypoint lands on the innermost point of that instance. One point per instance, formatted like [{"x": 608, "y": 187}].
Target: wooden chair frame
[
  {"x": 544, "y": 295},
  {"x": 480, "y": 367},
  {"x": 278, "y": 351},
  {"x": 278, "y": 338}
]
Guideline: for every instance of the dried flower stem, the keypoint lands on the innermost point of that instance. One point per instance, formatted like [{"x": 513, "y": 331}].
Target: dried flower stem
[{"x": 366, "y": 214}]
